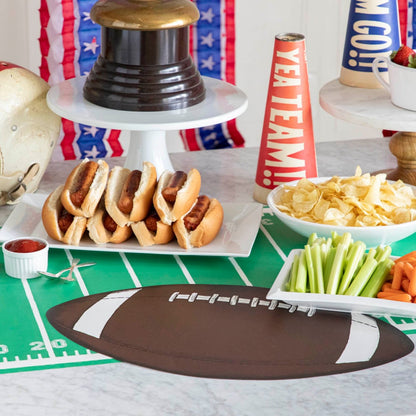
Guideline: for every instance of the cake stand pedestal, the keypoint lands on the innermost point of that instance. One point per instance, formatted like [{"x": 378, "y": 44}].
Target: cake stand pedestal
[
  {"x": 223, "y": 102},
  {"x": 373, "y": 108}
]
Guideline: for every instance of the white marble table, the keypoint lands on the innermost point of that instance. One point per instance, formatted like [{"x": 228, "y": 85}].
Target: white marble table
[
  {"x": 365, "y": 107},
  {"x": 126, "y": 390}
]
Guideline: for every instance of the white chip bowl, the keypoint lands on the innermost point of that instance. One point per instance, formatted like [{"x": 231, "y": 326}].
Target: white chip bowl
[{"x": 371, "y": 236}]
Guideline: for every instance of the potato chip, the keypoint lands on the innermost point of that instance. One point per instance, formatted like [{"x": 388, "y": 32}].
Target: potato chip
[
  {"x": 320, "y": 209},
  {"x": 305, "y": 201},
  {"x": 401, "y": 215},
  {"x": 333, "y": 215},
  {"x": 361, "y": 200}
]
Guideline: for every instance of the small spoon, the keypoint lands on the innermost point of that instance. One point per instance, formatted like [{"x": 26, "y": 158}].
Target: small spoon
[{"x": 59, "y": 274}]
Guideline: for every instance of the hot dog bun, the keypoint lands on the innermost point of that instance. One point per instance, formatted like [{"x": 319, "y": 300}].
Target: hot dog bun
[
  {"x": 205, "y": 232},
  {"x": 142, "y": 199},
  {"x": 94, "y": 192},
  {"x": 100, "y": 234},
  {"x": 145, "y": 237},
  {"x": 51, "y": 212},
  {"x": 185, "y": 198}
]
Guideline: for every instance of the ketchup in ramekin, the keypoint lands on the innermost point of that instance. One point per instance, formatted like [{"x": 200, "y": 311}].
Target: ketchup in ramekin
[
  {"x": 25, "y": 256},
  {"x": 25, "y": 245}
]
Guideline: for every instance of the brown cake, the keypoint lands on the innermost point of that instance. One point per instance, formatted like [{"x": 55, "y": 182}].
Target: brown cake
[{"x": 144, "y": 64}]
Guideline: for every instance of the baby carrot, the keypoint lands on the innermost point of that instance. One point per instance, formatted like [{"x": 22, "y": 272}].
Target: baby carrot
[
  {"x": 405, "y": 284},
  {"x": 397, "y": 276},
  {"x": 412, "y": 283},
  {"x": 407, "y": 269},
  {"x": 409, "y": 256},
  {"x": 401, "y": 297},
  {"x": 390, "y": 290}
]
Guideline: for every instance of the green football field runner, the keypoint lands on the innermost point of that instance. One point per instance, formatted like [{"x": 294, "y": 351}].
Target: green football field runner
[{"x": 29, "y": 342}]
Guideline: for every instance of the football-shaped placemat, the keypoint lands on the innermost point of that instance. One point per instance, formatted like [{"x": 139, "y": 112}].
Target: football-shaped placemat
[{"x": 226, "y": 332}]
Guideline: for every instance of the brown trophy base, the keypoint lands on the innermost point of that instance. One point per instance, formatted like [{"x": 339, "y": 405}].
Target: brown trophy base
[{"x": 403, "y": 146}]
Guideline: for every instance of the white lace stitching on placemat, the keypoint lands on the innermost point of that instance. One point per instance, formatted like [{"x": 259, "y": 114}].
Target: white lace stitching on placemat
[{"x": 235, "y": 299}]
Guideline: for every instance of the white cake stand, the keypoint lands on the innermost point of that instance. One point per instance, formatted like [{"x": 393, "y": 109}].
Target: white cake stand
[
  {"x": 223, "y": 102},
  {"x": 373, "y": 108}
]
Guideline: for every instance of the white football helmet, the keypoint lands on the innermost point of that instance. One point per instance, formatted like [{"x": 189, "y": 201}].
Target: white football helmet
[{"x": 29, "y": 131}]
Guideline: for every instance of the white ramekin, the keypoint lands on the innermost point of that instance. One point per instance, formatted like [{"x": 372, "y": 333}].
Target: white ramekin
[{"x": 25, "y": 265}]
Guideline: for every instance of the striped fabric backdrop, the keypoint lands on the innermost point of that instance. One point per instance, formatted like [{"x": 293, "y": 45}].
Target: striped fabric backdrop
[{"x": 70, "y": 43}]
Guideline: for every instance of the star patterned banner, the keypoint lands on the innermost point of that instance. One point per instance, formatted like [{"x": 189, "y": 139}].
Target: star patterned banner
[
  {"x": 70, "y": 43},
  {"x": 213, "y": 51}
]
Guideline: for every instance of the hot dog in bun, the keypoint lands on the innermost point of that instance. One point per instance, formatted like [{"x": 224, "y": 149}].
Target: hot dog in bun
[
  {"x": 129, "y": 194},
  {"x": 84, "y": 187},
  {"x": 59, "y": 223},
  {"x": 152, "y": 230},
  {"x": 175, "y": 194},
  {"x": 201, "y": 224},
  {"x": 103, "y": 229}
]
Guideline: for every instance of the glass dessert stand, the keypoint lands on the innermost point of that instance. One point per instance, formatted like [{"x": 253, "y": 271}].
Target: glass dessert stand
[
  {"x": 373, "y": 108},
  {"x": 223, "y": 102}
]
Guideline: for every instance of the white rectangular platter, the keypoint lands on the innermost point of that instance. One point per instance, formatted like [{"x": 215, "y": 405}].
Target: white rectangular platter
[
  {"x": 235, "y": 239},
  {"x": 343, "y": 303}
]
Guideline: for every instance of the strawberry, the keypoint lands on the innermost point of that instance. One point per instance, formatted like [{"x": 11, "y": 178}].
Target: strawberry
[{"x": 401, "y": 56}]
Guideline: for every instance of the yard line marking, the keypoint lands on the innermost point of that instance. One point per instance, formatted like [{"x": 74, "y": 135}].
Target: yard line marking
[
  {"x": 240, "y": 271},
  {"x": 273, "y": 243},
  {"x": 130, "y": 270},
  {"x": 184, "y": 270},
  {"x": 77, "y": 274},
  {"x": 39, "y": 362},
  {"x": 38, "y": 318}
]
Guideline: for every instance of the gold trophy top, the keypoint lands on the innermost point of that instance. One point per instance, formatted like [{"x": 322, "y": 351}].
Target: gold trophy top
[{"x": 144, "y": 14}]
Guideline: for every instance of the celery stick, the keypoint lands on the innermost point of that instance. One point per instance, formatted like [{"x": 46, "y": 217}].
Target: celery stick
[
  {"x": 328, "y": 265},
  {"x": 377, "y": 279},
  {"x": 318, "y": 242},
  {"x": 371, "y": 254},
  {"x": 346, "y": 239},
  {"x": 363, "y": 276},
  {"x": 309, "y": 266},
  {"x": 359, "y": 265},
  {"x": 382, "y": 253},
  {"x": 293, "y": 273},
  {"x": 324, "y": 254},
  {"x": 335, "y": 238},
  {"x": 328, "y": 242},
  {"x": 350, "y": 251},
  {"x": 379, "y": 250},
  {"x": 317, "y": 269},
  {"x": 312, "y": 238},
  {"x": 354, "y": 257},
  {"x": 302, "y": 275},
  {"x": 336, "y": 269}
]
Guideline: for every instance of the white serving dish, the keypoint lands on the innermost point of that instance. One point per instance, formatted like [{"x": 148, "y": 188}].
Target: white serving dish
[
  {"x": 236, "y": 237},
  {"x": 343, "y": 303},
  {"x": 371, "y": 236}
]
